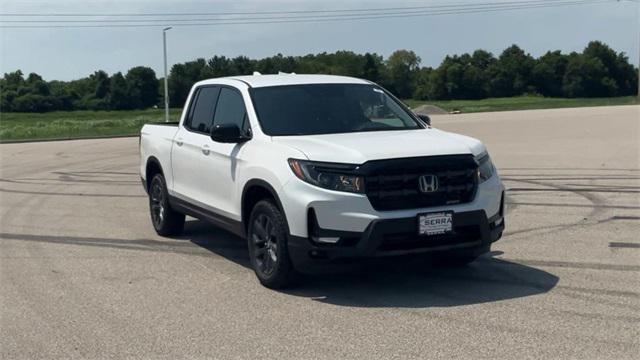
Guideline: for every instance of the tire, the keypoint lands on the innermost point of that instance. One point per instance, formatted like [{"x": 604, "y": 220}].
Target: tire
[
  {"x": 267, "y": 237},
  {"x": 165, "y": 220}
]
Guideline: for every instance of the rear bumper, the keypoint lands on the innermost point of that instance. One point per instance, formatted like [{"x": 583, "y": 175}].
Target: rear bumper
[{"x": 472, "y": 235}]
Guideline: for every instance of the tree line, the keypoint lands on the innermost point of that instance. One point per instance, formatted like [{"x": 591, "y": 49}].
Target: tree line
[
  {"x": 598, "y": 71},
  {"x": 137, "y": 89}
]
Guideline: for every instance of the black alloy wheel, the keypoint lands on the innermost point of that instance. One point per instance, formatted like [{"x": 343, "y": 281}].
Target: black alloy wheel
[
  {"x": 265, "y": 243},
  {"x": 165, "y": 220},
  {"x": 267, "y": 238}
]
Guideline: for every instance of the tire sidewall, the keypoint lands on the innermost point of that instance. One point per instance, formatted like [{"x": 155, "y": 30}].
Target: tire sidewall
[
  {"x": 282, "y": 264},
  {"x": 165, "y": 201}
]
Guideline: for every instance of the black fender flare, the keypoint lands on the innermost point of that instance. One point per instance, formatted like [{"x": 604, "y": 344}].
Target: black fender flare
[
  {"x": 263, "y": 184},
  {"x": 151, "y": 160}
]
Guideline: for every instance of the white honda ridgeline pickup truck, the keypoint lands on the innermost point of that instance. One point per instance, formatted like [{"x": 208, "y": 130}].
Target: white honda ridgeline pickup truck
[{"x": 316, "y": 169}]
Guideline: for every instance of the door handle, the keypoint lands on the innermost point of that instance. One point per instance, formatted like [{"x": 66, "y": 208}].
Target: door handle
[
  {"x": 179, "y": 142},
  {"x": 206, "y": 150}
]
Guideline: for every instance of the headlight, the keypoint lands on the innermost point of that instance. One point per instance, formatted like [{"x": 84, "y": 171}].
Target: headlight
[
  {"x": 485, "y": 167},
  {"x": 328, "y": 176}
]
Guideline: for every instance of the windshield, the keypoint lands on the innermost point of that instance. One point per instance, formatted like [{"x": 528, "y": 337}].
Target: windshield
[{"x": 328, "y": 109}]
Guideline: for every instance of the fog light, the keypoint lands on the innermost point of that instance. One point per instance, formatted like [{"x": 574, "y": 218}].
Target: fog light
[{"x": 315, "y": 254}]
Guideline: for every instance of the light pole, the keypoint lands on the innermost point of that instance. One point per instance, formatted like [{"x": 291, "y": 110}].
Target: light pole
[{"x": 166, "y": 82}]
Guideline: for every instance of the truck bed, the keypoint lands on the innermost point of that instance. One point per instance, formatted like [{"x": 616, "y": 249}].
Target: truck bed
[
  {"x": 163, "y": 123},
  {"x": 157, "y": 139}
]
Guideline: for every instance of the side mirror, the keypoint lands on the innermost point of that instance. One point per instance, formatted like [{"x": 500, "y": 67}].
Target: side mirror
[
  {"x": 228, "y": 133},
  {"x": 425, "y": 118}
]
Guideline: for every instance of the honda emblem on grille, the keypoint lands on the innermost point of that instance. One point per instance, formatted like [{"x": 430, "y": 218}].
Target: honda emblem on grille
[{"x": 428, "y": 183}]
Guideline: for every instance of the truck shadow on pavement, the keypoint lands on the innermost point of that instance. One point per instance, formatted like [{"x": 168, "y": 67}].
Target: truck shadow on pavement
[
  {"x": 397, "y": 282},
  {"x": 415, "y": 283}
]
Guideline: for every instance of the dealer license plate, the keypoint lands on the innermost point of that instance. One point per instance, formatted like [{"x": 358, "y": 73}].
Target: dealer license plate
[{"x": 435, "y": 223}]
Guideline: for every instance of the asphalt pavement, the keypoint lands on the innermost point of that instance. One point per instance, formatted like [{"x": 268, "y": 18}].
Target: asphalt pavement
[{"x": 83, "y": 274}]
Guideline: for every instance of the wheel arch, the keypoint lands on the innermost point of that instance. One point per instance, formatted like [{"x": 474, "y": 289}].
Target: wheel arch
[
  {"x": 255, "y": 190},
  {"x": 152, "y": 168}
]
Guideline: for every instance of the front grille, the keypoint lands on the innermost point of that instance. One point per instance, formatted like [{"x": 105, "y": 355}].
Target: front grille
[{"x": 394, "y": 184}]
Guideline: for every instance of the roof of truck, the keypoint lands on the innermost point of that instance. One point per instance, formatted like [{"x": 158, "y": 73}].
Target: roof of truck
[{"x": 259, "y": 80}]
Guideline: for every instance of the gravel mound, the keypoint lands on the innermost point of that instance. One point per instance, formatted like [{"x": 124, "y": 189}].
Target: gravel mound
[{"x": 429, "y": 110}]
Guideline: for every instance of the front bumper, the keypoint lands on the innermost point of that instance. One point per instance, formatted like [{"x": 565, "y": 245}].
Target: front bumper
[
  {"x": 350, "y": 212},
  {"x": 472, "y": 235}
]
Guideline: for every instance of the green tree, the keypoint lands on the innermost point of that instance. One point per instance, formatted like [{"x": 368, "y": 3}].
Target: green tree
[
  {"x": 32, "y": 103},
  {"x": 461, "y": 77},
  {"x": 217, "y": 66},
  {"x": 119, "y": 96},
  {"x": 453, "y": 72},
  {"x": 372, "y": 68},
  {"x": 587, "y": 77},
  {"x": 142, "y": 87},
  {"x": 482, "y": 59},
  {"x": 548, "y": 72},
  {"x": 13, "y": 80},
  {"x": 9, "y": 85},
  {"x": 100, "y": 80},
  {"x": 618, "y": 72},
  {"x": 61, "y": 97},
  {"x": 242, "y": 65},
  {"x": 402, "y": 66},
  {"x": 274, "y": 64},
  {"x": 423, "y": 84},
  {"x": 7, "y": 97},
  {"x": 511, "y": 74},
  {"x": 346, "y": 63}
]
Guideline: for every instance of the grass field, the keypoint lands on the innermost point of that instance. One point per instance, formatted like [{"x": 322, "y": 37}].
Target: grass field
[
  {"x": 75, "y": 124},
  {"x": 521, "y": 103}
]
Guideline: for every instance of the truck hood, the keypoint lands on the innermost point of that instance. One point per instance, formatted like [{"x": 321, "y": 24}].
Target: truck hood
[{"x": 357, "y": 148}]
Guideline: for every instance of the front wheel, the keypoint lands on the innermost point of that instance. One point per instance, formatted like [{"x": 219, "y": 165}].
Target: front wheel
[
  {"x": 165, "y": 220},
  {"x": 267, "y": 240}
]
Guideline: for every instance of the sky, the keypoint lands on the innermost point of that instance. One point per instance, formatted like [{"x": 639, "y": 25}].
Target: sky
[{"x": 71, "y": 53}]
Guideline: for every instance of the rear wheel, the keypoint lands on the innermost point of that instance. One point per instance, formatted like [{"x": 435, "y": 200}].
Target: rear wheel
[
  {"x": 267, "y": 240},
  {"x": 165, "y": 220}
]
